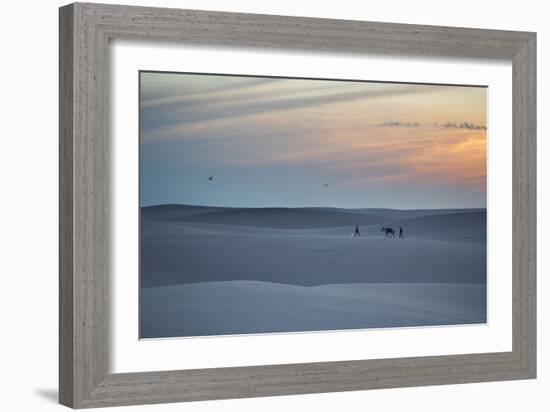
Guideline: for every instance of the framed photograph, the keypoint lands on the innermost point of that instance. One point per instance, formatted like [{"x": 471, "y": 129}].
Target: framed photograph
[{"x": 256, "y": 205}]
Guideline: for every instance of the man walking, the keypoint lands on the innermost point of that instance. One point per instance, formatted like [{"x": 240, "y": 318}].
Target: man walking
[
  {"x": 401, "y": 236},
  {"x": 356, "y": 231}
]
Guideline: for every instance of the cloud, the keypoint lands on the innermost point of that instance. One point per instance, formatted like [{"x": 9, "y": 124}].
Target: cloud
[
  {"x": 463, "y": 125},
  {"x": 399, "y": 124},
  {"x": 446, "y": 125}
]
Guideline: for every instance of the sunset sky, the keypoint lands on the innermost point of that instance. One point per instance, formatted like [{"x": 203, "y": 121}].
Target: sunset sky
[{"x": 277, "y": 142}]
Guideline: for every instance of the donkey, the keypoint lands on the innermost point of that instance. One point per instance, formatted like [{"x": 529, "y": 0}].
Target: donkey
[{"x": 388, "y": 232}]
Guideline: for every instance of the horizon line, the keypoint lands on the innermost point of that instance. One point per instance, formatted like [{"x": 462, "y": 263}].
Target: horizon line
[{"x": 310, "y": 207}]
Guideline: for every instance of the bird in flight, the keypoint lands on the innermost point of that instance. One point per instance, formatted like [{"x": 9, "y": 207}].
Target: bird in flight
[{"x": 211, "y": 178}]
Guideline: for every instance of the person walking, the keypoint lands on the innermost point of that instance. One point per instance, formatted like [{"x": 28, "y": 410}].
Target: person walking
[
  {"x": 401, "y": 236},
  {"x": 356, "y": 231}
]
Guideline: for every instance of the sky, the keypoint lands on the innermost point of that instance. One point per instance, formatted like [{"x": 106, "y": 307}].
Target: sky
[{"x": 278, "y": 142}]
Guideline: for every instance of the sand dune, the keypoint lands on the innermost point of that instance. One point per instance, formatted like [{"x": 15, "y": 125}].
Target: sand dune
[
  {"x": 284, "y": 218},
  {"x": 306, "y": 217},
  {"x": 207, "y": 271},
  {"x": 173, "y": 212},
  {"x": 395, "y": 214},
  {"x": 175, "y": 252},
  {"x": 220, "y": 308},
  {"x": 465, "y": 226}
]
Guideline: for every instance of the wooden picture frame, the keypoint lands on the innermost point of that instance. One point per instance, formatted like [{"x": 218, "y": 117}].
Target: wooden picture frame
[{"x": 85, "y": 31}]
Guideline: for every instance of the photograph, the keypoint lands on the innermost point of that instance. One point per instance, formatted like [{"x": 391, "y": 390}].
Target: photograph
[
  {"x": 277, "y": 205},
  {"x": 215, "y": 206}
]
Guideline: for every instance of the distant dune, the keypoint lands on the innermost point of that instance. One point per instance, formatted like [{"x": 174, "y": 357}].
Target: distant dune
[
  {"x": 171, "y": 212},
  {"x": 396, "y": 214},
  {"x": 175, "y": 211},
  {"x": 284, "y": 218},
  {"x": 291, "y": 218}
]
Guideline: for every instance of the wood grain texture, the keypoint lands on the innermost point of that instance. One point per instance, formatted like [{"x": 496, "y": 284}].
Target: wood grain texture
[
  {"x": 66, "y": 228},
  {"x": 85, "y": 31},
  {"x": 524, "y": 208}
]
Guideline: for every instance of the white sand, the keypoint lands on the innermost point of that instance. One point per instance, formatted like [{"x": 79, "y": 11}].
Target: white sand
[
  {"x": 295, "y": 269},
  {"x": 234, "y": 307}
]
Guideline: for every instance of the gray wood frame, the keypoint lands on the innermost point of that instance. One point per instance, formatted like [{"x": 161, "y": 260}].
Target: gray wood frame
[{"x": 85, "y": 31}]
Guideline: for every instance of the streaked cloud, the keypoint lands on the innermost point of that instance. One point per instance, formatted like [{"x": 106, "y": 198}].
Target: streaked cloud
[
  {"x": 171, "y": 117},
  {"x": 177, "y": 97}
]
